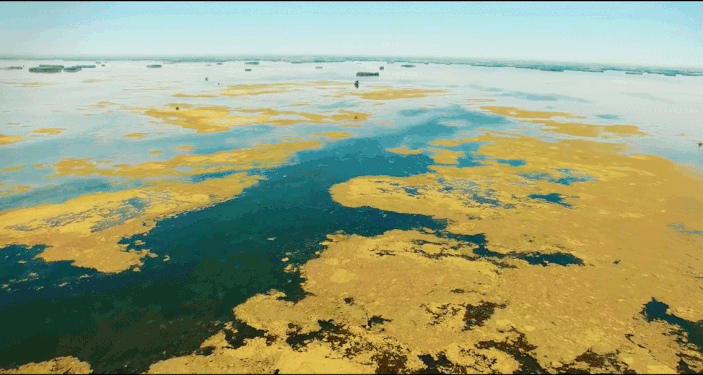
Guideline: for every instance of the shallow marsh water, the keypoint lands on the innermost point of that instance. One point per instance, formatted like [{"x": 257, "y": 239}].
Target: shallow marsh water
[{"x": 210, "y": 260}]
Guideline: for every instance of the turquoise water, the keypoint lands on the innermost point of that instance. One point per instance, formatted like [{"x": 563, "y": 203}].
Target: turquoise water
[{"x": 219, "y": 257}]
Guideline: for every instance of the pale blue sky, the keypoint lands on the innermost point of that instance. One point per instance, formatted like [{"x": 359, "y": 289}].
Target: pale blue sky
[{"x": 657, "y": 33}]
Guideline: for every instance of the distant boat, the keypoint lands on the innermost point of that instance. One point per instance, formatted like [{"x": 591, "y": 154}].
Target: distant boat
[
  {"x": 44, "y": 69},
  {"x": 247, "y": 70},
  {"x": 51, "y": 66},
  {"x": 12, "y": 68},
  {"x": 153, "y": 66},
  {"x": 251, "y": 63},
  {"x": 72, "y": 69},
  {"x": 367, "y": 74},
  {"x": 407, "y": 66}
]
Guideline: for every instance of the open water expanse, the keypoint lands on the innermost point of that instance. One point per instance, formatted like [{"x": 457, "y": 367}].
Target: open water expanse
[{"x": 139, "y": 206}]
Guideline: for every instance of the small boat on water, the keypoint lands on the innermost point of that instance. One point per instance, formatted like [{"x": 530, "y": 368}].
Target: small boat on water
[
  {"x": 367, "y": 74},
  {"x": 251, "y": 63},
  {"x": 51, "y": 66},
  {"x": 72, "y": 69},
  {"x": 153, "y": 66}
]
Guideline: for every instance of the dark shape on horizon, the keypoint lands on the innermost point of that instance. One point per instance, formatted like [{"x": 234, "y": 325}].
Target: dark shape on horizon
[
  {"x": 205, "y": 79},
  {"x": 356, "y": 118},
  {"x": 176, "y": 108},
  {"x": 356, "y": 84},
  {"x": 367, "y": 74},
  {"x": 381, "y": 68},
  {"x": 247, "y": 70},
  {"x": 700, "y": 144},
  {"x": 47, "y": 69}
]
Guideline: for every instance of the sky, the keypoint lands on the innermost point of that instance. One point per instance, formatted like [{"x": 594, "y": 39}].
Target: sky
[{"x": 640, "y": 33}]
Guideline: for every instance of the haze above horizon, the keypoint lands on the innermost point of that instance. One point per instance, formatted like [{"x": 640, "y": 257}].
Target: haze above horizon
[{"x": 641, "y": 33}]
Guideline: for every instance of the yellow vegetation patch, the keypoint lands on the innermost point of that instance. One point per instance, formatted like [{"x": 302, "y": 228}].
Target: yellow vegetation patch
[
  {"x": 333, "y": 135},
  {"x": 526, "y": 114},
  {"x": 155, "y": 152},
  {"x": 202, "y": 119},
  {"x": 391, "y": 93},
  {"x": 570, "y": 128},
  {"x": 450, "y": 142},
  {"x": 619, "y": 222},
  {"x": 217, "y": 119},
  {"x": 19, "y": 189},
  {"x": 261, "y": 156},
  {"x": 185, "y": 148},
  {"x": 441, "y": 156},
  {"x": 479, "y": 101},
  {"x": 12, "y": 169},
  {"x": 49, "y": 130},
  {"x": 404, "y": 150},
  {"x": 32, "y": 84},
  {"x": 263, "y": 89},
  {"x": 61, "y": 365},
  {"x": 102, "y": 104},
  {"x": 355, "y": 280},
  {"x": 7, "y": 139},
  {"x": 87, "y": 229},
  {"x": 135, "y": 135}
]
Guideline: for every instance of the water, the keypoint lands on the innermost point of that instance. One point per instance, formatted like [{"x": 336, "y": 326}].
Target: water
[{"x": 222, "y": 255}]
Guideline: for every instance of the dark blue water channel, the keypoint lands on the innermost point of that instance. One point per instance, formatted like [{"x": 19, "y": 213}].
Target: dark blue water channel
[{"x": 219, "y": 257}]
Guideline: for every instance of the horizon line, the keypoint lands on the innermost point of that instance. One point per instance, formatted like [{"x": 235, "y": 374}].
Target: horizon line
[{"x": 380, "y": 57}]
